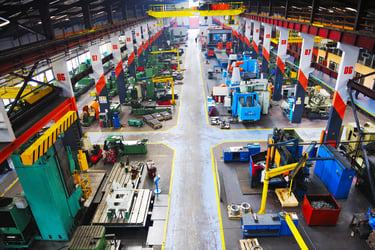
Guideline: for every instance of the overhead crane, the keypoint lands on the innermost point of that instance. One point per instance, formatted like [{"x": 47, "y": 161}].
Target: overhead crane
[{"x": 207, "y": 9}]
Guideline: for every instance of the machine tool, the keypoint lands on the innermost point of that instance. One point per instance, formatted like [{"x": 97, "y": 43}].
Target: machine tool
[
  {"x": 116, "y": 146},
  {"x": 89, "y": 237},
  {"x": 317, "y": 103},
  {"x": 363, "y": 224},
  {"x": 56, "y": 199},
  {"x": 135, "y": 123},
  {"x": 90, "y": 113},
  {"x": 240, "y": 153},
  {"x": 354, "y": 153},
  {"x": 151, "y": 168},
  {"x": 84, "y": 83},
  {"x": 17, "y": 227},
  {"x": 285, "y": 160},
  {"x": 280, "y": 224}
]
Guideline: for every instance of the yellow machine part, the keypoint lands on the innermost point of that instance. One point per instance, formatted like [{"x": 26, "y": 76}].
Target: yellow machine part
[
  {"x": 43, "y": 143},
  {"x": 11, "y": 92},
  {"x": 82, "y": 160},
  {"x": 37, "y": 95},
  {"x": 92, "y": 108},
  {"x": 352, "y": 135},
  {"x": 84, "y": 182},
  {"x": 295, "y": 232},
  {"x": 166, "y": 79}
]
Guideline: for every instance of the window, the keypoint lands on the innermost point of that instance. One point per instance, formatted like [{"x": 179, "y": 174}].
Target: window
[
  {"x": 321, "y": 59},
  {"x": 333, "y": 66},
  {"x": 360, "y": 81}
]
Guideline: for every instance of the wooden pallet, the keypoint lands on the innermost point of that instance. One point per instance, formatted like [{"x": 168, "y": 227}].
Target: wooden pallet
[
  {"x": 236, "y": 217},
  {"x": 285, "y": 200},
  {"x": 248, "y": 244}
]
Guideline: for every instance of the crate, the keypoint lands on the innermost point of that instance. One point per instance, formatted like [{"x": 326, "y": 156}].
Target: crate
[{"x": 320, "y": 217}]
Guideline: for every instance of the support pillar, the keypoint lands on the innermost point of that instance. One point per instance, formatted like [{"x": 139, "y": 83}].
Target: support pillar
[
  {"x": 61, "y": 73},
  {"x": 340, "y": 97},
  {"x": 266, "y": 48},
  {"x": 256, "y": 31},
  {"x": 98, "y": 75},
  {"x": 302, "y": 78},
  {"x": 247, "y": 36},
  {"x": 281, "y": 57},
  {"x": 119, "y": 69}
]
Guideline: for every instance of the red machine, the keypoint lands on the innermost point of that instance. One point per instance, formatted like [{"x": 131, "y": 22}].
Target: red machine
[
  {"x": 110, "y": 156},
  {"x": 211, "y": 52},
  {"x": 151, "y": 168},
  {"x": 96, "y": 154}
]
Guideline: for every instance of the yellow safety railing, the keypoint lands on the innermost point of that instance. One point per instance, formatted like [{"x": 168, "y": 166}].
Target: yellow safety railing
[
  {"x": 84, "y": 182},
  {"x": 43, "y": 143}
]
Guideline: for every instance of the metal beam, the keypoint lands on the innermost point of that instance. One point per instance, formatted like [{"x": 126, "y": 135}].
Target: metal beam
[
  {"x": 124, "y": 9},
  {"x": 359, "y": 14},
  {"x": 86, "y": 14},
  {"x": 15, "y": 59},
  {"x": 270, "y": 13},
  {"x": 108, "y": 9},
  {"x": 45, "y": 16},
  {"x": 362, "y": 89},
  {"x": 286, "y": 9},
  {"x": 26, "y": 80},
  {"x": 314, "y": 7}
]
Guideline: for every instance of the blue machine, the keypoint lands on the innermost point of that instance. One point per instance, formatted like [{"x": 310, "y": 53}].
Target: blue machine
[
  {"x": 289, "y": 108},
  {"x": 335, "y": 171},
  {"x": 246, "y": 107},
  {"x": 116, "y": 120},
  {"x": 254, "y": 225},
  {"x": 371, "y": 218},
  {"x": 240, "y": 153}
]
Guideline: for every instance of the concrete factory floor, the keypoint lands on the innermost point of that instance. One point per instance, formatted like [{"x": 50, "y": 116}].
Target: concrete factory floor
[{"x": 197, "y": 219}]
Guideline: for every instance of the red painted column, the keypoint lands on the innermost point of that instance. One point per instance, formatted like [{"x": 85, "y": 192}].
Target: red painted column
[
  {"x": 302, "y": 78},
  {"x": 340, "y": 97},
  {"x": 266, "y": 48},
  {"x": 256, "y": 39},
  {"x": 281, "y": 57}
]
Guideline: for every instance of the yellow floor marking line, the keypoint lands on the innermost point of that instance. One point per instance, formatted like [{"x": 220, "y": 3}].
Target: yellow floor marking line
[
  {"x": 10, "y": 186},
  {"x": 83, "y": 98},
  {"x": 217, "y": 181},
  {"x": 169, "y": 196},
  {"x": 217, "y": 199}
]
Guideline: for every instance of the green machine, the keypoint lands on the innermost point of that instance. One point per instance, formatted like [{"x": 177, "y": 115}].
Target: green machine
[
  {"x": 17, "y": 228},
  {"x": 111, "y": 86},
  {"x": 45, "y": 168},
  {"x": 85, "y": 83},
  {"x": 122, "y": 147}
]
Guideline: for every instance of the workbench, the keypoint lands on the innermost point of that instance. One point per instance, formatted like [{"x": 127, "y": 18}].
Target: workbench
[{"x": 141, "y": 202}]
